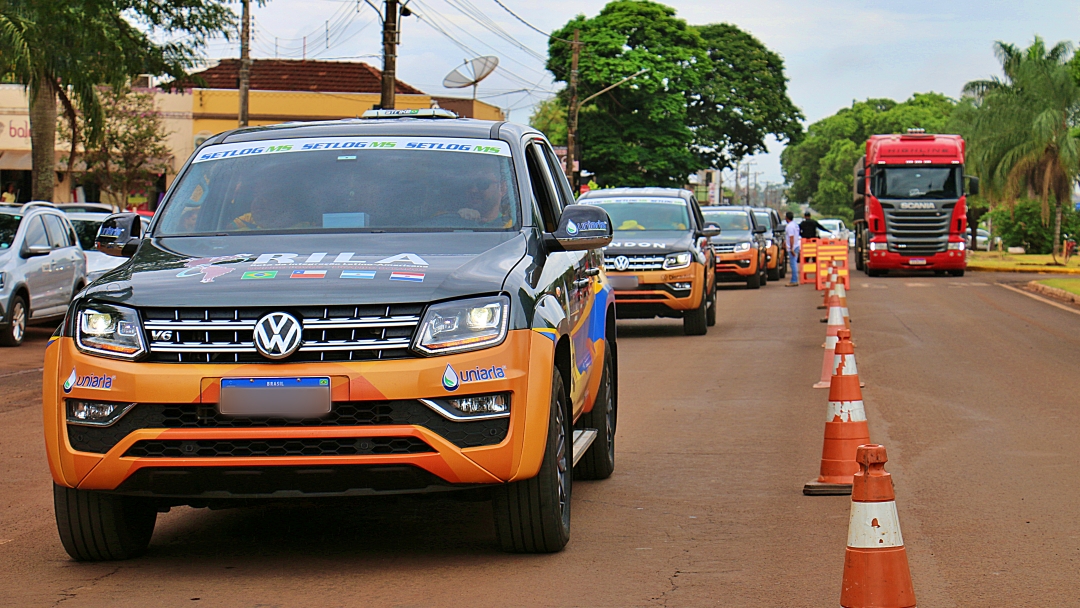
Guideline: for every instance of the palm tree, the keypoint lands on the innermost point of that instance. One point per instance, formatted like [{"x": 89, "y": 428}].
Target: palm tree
[
  {"x": 65, "y": 50},
  {"x": 1022, "y": 129}
]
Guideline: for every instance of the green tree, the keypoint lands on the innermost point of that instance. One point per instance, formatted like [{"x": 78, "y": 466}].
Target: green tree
[
  {"x": 818, "y": 167},
  {"x": 65, "y": 50},
  {"x": 1023, "y": 128},
  {"x": 742, "y": 98},
  {"x": 550, "y": 119}
]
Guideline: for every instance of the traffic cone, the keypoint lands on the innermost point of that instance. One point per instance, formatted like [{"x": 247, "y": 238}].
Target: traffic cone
[
  {"x": 845, "y": 425},
  {"x": 876, "y": 573},
  {"x": 841, "y": 297},
  {"x": 836, "y": 323},
  {"x": 830, "y": 280}
]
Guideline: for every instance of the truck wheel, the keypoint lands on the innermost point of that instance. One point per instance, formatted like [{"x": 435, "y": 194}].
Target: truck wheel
[
  {"x": 774, "y": 273},
  {"x": 599, "y": 460},
  {"x": 754, "y": 281},
  {"x": 695, "y": 322},
  {"x": 710, "y": 314},
  {"x": 96, "y": 526},
  {"x": 533, "y": 515},
  {"x": 875, "y": 272},
  {"x": 957, "y": 273},
  {"x": 13, "y": 334}
]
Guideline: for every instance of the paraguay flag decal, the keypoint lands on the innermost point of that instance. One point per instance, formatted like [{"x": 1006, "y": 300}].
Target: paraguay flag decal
[{"x": 416, "y": 277}]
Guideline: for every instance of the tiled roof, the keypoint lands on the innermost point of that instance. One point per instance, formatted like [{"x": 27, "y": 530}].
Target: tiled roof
[{"x": 301, "y": 75}]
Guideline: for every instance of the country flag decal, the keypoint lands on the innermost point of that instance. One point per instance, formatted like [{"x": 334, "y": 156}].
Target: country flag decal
[
  {"x": 259, "y": 274},
  {"x": 358, "y": 274},
  {"x": 416, "y": 277},
  {"x": 308, "y": 274}
]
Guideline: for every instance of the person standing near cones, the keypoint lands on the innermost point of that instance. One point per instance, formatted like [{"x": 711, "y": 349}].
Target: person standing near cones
[
  {"x": 808, "y": 228},
  {"x": 791, "y": 235}
]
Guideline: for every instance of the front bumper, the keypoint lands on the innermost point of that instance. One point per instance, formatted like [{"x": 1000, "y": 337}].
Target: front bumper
[
  {"x": 737, "y": 266},
  {"x": 944, "y": 260},
  {"x": 655, "y": 289},
  {"x": 188, "y": 435}
]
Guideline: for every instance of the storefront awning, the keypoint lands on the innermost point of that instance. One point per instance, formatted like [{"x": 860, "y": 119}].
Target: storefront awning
[{"x": 16, "y": 160}]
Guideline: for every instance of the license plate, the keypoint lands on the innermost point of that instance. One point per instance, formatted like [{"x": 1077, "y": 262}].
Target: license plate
[
  {"x": 917, "y": 262},
  {"x": 275, "y": 397},
  {"x": 623, "y": 283}
]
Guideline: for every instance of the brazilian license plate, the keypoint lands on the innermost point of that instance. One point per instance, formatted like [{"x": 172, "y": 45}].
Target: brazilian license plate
[
  {"x": 917, "y": 262},
  {"x": 275, "y": 397},
  {"x": 623, "y": 283}
]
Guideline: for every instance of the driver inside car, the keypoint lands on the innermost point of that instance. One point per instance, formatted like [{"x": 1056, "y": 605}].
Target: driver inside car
[
  {"x": 270, "y": 211},
  {"x": 485, "y": 201}
]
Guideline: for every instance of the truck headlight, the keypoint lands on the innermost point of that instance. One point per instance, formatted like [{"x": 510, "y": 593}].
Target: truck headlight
[
  {"x": 677, "y": 260},
  {"x": 743, "y": 247},
  {"x": 957, "y": 246},
  {"x": 462, "y": 325},
  {"x": 876, "y": 246},
  {"x": 109, "y": 331},
  {"x": 768, "y": 242}
]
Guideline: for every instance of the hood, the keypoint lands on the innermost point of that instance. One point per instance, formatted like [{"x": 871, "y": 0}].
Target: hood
[
  {"x": 256, "y": 270},
  {"x": 97, "y": 262},
  {"x": 628, "y": 242},
  {"x": 734, "y": 236}
]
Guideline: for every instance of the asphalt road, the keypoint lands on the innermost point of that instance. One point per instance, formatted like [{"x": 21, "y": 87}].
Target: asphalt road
[{"x": 972, "y": 388}]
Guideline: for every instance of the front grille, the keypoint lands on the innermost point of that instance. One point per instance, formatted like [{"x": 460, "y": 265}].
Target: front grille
[
  {"x": 917, "y": 231},
  {"x": 635, "y": 262},
  {"x": 221, "y": 448},
  {"x": 331, "y": 333},
  {"x": 723, "y": 247},
  {"x": 463, "y": 434}
]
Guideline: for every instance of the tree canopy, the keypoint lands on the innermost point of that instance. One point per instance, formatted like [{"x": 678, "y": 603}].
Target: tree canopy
[{"x": 710, "y": 96}]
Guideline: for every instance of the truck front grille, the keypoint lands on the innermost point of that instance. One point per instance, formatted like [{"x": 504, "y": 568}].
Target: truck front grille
[
  {"x": 723, "y": 247},
  {"x": 331, "y": 333},
  {"x": 917, "y": 231},
  {"x": 634, "y": 262}
]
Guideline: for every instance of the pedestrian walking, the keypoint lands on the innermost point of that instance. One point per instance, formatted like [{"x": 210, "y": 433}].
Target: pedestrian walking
[{"x": 791, "y": 235}]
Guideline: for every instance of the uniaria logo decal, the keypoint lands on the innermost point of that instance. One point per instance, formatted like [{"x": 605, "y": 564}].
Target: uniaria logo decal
[
  {"x": 92, "y": 381},
  {"x": 571, "y": 227},
  {"x": 593, "y": 225},
  {"x": 453, "y": 379}
]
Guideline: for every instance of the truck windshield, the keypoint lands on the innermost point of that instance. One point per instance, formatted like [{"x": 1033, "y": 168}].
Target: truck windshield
[
  {"x": 345, "y": 184},
  {"x": 9, "y": 225},
  {"x": 634, "y": 214},
  {"x": 729, "y": 221},
  {"x": 764, "y": 219},
  {"x": 917, "y": 182}
]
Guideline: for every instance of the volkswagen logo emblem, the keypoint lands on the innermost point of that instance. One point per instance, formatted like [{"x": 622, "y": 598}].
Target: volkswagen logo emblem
[
  {"x": 622, "y": 263},
  {"x": 277, "y": 335}
]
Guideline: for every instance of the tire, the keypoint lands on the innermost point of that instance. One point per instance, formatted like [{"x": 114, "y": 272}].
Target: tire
[
  {"x": 695, "y": 322},
  {"x": 957, "y": 273},
  {"x": 710, "y": 314},
  {"x": 15, "y": 331},
  {"x": 774, "y": 273},
  {"x": 598, "y": 462},
  {"x": 533, "y": 515},
  {"x": 939, "y": 273},
  {"x": 96, "y": 526},
  {"x": 876, "y": 272},
  {"x": 754, "y": 282},
  {"x": 783, "y": 271}
]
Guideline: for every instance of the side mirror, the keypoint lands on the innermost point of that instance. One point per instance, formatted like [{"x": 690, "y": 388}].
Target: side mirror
[
  {"x": 973, "y": 185},
  {"x": 760, "y": 229},
  {"x": 581, "y": 228},
  {"x": 710, "y": 230},
  {"x": 860, "y": 186},
  {"x": 120, "y": 235},
  {"x": 31, "y": 251}
]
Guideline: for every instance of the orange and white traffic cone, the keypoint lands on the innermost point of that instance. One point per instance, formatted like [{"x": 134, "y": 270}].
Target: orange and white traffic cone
[
  {"x": 841, "y": 297},
  {"x": 830, "y": 280},
  {"x": 876, "y": 573},
  {"x": 845, "y": 425},
  {"x": 836, "y": 323}
]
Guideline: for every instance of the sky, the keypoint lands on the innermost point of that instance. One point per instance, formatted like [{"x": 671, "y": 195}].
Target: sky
[{"x": 835, "y": 51}]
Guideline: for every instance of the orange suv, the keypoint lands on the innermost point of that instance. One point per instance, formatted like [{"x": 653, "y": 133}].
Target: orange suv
[{"x": 740, "y": 249}]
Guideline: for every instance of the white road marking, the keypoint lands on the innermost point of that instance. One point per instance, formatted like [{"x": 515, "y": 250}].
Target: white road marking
[
  {"x": 918, "y": 285},
  {"x": 1040, "y": 298}
]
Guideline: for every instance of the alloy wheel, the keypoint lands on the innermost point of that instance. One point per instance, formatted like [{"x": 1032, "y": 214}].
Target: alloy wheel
[{"x": 18, "y": 321}]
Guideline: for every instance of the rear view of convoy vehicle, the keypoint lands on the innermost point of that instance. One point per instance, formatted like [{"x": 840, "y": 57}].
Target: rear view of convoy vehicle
[
  {"x": 660, "y": 263},
  {"x": 403, "y": 303},
  {"x": 910, "y": 204}
]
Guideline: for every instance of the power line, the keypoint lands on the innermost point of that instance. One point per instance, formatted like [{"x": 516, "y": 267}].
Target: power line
[{"x": 529, "y": 25}]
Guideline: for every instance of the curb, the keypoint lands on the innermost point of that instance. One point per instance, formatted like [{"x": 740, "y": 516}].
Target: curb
[
  {"x": 1031, "y": 269},
  {"x": 1053, "y": 292}
]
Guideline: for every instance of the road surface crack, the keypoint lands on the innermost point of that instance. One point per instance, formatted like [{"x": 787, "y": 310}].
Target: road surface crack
[
  {"x": 70, "y": 592},
  {"x": 666, "y": 595}
]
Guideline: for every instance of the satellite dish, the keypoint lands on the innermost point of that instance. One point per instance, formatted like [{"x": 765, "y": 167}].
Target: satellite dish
[{"x": 471, "y": 72}]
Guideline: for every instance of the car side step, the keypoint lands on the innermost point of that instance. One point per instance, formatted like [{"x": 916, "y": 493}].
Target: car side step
[{"x": 583, "y": 438}]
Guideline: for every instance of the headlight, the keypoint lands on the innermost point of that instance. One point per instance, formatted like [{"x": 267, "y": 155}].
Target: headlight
[
  {"x": 677, "y": 260},
  {"x": 768, "y": 242},
  {"x": 109, "y": 331},
  {"x": 461, "y": 325},
  {"x": 957, "y": 246},
  {"x": 743, "y": 247},
  {"x": 877, "y": 246}
]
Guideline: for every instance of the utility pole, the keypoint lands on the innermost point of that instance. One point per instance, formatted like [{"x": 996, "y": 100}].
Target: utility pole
[
  {"x": 747, "y": 175},
  {"x": 735, "y": 187},
  {"x": 390, "y": 41},
  {"x": 572, "y": 115},
  {"x": 245, "y": 62}
]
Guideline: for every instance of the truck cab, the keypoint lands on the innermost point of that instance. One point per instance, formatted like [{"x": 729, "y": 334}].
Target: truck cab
[{"x": 910, "y": 204}]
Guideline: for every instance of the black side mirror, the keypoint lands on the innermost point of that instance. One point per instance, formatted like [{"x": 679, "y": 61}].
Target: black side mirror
[
  {"x": 760, "y": 229},
  {"x": 973, "y": 185},
  {"x": 860, "y": 186},
  {"x": 581, "y": 228},
  {"x": 120, "y": 235},
  {"x": 710, "y": 230}
]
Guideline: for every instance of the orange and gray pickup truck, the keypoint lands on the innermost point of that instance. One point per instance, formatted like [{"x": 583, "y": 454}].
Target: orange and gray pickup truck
[
  {"x": 740, "y": 249},
  {"x": 659, "y": 263},
  {"x": 776, "y": 257}
]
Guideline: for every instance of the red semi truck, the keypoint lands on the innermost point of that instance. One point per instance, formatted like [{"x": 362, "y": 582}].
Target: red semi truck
[{"x": 911, "y": 205}]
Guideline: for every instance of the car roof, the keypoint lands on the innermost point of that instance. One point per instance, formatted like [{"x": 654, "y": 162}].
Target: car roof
[
  {"x": 86, "y": 217},
  {"x": 85, "y": 207},
  {"x": 655, "y": 192},
  {"x": 727, "y": 208},
  {"x": 18, "y": 209},
  {"x": 417, "y": 127}
]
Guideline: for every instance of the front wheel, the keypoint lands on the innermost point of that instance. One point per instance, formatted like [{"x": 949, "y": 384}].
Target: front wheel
[
  {"x": 96, "y": 526},
  {"x": 695, "y": 322},
  {"x": 598, "y": 462},
  {"x": 13, "y": 334},
  {"x": 875, "y": 272},
  {"x": 533, "y": 515},
  {"x": 710, "y": 314},
  {"x": 754, "y": 281},
  {"x": 957, "y": 273}
]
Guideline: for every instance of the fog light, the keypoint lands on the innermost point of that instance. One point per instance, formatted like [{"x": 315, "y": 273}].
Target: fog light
[
  {"x": 680, "y": 286},
  {"x": 95, "y": 413},
  {"x": 473, "y": 407}
]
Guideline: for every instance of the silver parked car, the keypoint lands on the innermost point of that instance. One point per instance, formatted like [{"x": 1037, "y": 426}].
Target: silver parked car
[{"x": 41, "y": 267}]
